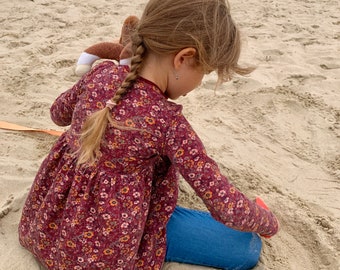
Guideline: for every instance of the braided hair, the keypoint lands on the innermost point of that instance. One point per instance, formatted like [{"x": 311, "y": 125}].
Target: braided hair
[{"x": 95, "y": 126}]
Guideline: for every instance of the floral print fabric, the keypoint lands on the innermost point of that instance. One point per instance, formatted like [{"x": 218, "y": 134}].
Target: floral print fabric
[{"x": 113, "y": 214}]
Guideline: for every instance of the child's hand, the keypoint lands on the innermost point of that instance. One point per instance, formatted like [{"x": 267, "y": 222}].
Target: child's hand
[{"x": 261, "y": 203}]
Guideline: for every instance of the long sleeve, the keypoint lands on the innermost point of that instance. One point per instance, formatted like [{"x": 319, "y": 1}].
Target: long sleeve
[
  {"x": 62, "y": 109},
  {"x": 225, "y": 203}
]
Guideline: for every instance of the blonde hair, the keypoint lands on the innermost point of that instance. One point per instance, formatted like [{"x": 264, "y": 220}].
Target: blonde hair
[{"x": 166, "y": 27}]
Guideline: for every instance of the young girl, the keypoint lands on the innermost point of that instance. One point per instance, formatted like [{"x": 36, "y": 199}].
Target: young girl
[{"x": 103, "y": 197}]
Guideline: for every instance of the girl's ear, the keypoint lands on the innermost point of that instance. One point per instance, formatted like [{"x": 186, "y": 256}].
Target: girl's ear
[{"x": 184, "y": 56}]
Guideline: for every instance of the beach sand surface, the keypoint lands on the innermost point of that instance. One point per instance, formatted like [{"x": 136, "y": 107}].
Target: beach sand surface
[{"x": 274, "y": 133}]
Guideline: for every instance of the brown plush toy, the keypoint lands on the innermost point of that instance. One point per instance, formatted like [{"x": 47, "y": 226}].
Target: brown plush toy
[{"x": 108, "y": 50}]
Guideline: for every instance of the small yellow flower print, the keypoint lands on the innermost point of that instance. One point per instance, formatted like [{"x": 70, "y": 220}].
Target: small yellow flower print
[
  {"x": 140, "y": 263},
  {"x": 49, "y": 262},
  {"x": 99, "y": 105},
  {"x": 109, "y": 164},
  {"x": 150, "y": 120},
  {"x": 208, "y": 195},
  {"x": 230, "y": 205},
  {"x": 232, "y": 190},
  {"x": 124, "y": 190},
  {"x": 113, "y": 202},
  {"x": 159, "y": 252},
  {"x": 179, "y": 152},
  {"x": 158, "y": 207},
  {"x": 70, "y": 244},
  {"x": 108, "y": 251},
  {"x": 149, "y": 222},
  {"x": 125, "y": 238},
  {"x": 53, "y": 226},
  {"x": 88, "y": 234},
  {"x": 129, "y": 123}
]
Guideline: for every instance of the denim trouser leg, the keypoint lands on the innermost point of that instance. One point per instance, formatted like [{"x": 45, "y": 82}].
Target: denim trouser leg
[{"x": 194, "y": 237}]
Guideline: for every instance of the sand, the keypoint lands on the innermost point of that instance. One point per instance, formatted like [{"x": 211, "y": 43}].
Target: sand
[{"x": 275, "y": 133}]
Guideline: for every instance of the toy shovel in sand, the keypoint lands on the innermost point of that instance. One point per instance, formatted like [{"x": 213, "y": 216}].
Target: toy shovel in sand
[
  {"x": 11, "y": 126},
  {"x": 261, "y": 203}
]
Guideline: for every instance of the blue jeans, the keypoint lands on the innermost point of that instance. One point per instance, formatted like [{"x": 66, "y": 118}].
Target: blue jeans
[{"x": 194, "y": 237}]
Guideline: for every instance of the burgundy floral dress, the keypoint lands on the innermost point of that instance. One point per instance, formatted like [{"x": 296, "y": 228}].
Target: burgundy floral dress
[{"x": 113, "y": 214}]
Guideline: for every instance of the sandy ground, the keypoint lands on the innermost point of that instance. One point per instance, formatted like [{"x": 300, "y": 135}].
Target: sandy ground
[{"x": 275, "y": 133}]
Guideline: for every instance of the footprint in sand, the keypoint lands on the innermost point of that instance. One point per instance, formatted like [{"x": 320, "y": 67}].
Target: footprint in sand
[
  {"x": 16, "y": 44},
  {"x": 334, "y": 125},
  {"x": 330, "y": 66},
  {"x": 63, "y": 63},
  {"x": 304, "y": 79},
  {"x": 333, "y": 166},
  {"x": 272, "y": 54},
  {"x": 47, "y": 50},
  {"x": 325, "y": 223},
  {"x": 7, "y": 207}
]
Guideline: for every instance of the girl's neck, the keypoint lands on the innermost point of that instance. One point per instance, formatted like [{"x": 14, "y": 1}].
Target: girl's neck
[{"x": 156, "y": 69}]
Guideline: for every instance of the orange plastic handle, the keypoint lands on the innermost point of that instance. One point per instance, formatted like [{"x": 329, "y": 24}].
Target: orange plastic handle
[
  {"x": 261, "y": 203},
  {"x": 11, "y": 126}
]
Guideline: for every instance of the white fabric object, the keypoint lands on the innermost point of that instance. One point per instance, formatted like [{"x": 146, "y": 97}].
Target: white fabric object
[
  {"x": 125, "y": 62},
  {"x": 87, "y": 59}
]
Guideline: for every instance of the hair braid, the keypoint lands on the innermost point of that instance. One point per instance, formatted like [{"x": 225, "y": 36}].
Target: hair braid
[
  {"x": 136, "y": 64},
  {"x": 94, "y": 127}
]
